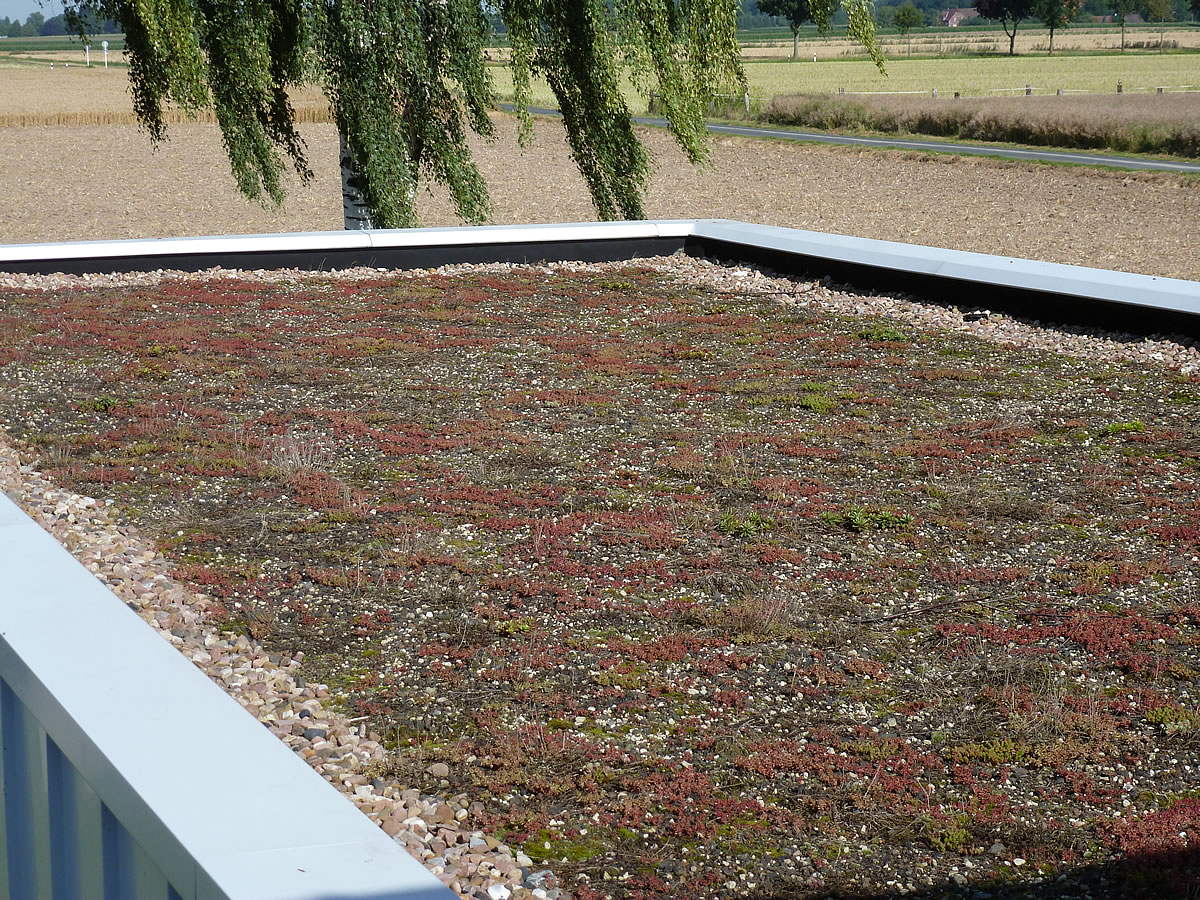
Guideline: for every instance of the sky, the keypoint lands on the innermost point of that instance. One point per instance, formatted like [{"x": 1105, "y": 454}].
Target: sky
[{"x": 20, "y": 9}]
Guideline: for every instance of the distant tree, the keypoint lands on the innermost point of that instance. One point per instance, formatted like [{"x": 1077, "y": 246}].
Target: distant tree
[
  {"x": 750, "y": 16},
  {"x": 1121, "y": 9},
  {"x": 15, "y": 29},
  {"x": 860, "y": 25},
  {"x": 33, "y": 25},
  {"x": 908, "y": 17},
  {"x": 795, "y": 12},
  {"x": 1195, "y": 4},
  {"x": 1009, "y": 13},
  {"x": 1056, "y": 14},
  {"x": 55, "y": 25},
  {"x": 1163, "y": 11}
]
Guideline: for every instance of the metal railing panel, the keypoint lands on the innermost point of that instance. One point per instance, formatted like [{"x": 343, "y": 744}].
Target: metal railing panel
[
  {"x": 76, "y": 847},
  {"x": 126, "y": 870},
  {"x": 26, "y": 804},
  {"x": 240, "y": 817}
]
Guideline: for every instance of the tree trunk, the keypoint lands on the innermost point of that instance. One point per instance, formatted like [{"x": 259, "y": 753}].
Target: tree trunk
[
  {"x": 1122, "y": 34},
  {"x": 1051, "y": 53},
  {"x": 1012, "y": 39},
  {"x": 354, "y": 202},
  {"x": 795, "y": 44}
]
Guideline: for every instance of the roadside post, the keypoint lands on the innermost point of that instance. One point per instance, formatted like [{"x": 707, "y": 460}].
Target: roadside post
[{"x": 104, "y": 44}]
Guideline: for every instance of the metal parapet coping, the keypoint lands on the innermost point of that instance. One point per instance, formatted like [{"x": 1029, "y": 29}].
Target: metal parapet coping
[
  {"x": 221, "y": 807},
  {"x": 405, "y": 248},
  {"x": 1050, "y": 292}
]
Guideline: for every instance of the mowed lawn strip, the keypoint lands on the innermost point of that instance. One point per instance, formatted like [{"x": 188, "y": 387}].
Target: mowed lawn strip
[{"x": 700, "y": 592}]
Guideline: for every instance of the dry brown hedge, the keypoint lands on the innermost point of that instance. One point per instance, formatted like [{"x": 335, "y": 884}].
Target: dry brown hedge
[{"x": 1155, "y": 123}]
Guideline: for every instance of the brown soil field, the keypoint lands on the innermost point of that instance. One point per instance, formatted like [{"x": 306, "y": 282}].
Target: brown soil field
[{"x": 105, "y": 182}]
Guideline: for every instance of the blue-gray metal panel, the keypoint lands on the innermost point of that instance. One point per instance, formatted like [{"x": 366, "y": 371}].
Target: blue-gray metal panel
[
  {"x": 186, "y": 802},
  {"x": 26, "y": 804},
  {"x": 75, "y": 837},
  {"x": 4, "y": 868},
  {"x": 128, "y": 873},
  {"x": 1172, "y": 294}
]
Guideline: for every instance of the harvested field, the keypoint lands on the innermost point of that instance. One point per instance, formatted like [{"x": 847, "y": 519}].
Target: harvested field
[
  {"x": 703, "y": 584},
  {"x": 75, "y": 95},
  {"x": 975, "y": 76},
  {"x": 105, "y": 182},
  {"x": 971, "y": 76},
  {"x": 1031, "y": 39}
]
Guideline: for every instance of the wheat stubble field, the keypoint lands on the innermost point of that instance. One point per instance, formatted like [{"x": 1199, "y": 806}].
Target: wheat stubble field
[{"x": 105, "y": 181}]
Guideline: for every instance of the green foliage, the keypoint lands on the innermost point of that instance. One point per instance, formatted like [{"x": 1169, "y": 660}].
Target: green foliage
[
  {"x": 907, "y": 18},
  {"x": 1160, "y": 10},
  {"x": 1000, "y": 752},
  {"x": 103, "y": 403},
  {"x": 1009, "y": 13},
  {"x": 950, "y": 836},
  {"x": 1056, "y": 14},
  {"x": 407, "y": 80},
  {"x": 750, "y": 526},
  {"x": 882, "y": 331},
  {"x": 402, "y": 77},
  {"x": 1121, "y": 9},
  {"x": 1173, "y": 718},
  {"x": 817, "y": 403},
  {"x": 1135, "y": 427},
  {"x": 547, "y": 845},
  {"x": 860, "y": 518}
]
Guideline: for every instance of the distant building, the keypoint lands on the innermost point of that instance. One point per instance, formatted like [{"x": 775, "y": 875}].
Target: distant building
[{"x": 952, "y": 18}]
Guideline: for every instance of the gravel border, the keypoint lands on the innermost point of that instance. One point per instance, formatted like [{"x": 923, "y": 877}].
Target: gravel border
[{"x": 434, "y": 829}]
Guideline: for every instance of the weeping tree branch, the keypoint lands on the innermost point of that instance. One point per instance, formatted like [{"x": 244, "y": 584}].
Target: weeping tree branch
[{"x": 407, "y": 82}]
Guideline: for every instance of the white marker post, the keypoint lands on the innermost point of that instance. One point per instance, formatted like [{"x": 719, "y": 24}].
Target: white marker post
[
  {"x": 104, "y": 44},
  {"x": 87, "y": 55}
]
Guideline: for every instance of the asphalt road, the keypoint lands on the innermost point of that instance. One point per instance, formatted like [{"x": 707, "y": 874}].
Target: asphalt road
[{"x": 1054, "y": 156}]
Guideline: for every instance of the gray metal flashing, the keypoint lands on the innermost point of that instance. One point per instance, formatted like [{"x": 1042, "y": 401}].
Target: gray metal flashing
[
  {"x": 1050, "y": 292},
  {"x": 324, "y": 250},
  {"x": 961, "y": 265},
  {"x": 1042, "y": 290},
  {"x": 217, "y": 803}
]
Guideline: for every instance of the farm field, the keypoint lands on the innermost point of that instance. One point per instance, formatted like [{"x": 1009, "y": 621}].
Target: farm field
[
  {"x": 35, "y": 94},
  {"x": 972, "y": 76},
  {"x": 105, "y": 182},
  {"x": 75, "y": 95},
  {"x": 700, "y": 592},
  {"x": 981, "y": 75},
  {"x": 1162, "y": 124},
  {"x": 974, "y": 41}
]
